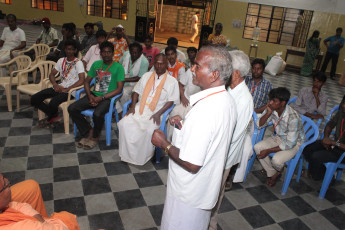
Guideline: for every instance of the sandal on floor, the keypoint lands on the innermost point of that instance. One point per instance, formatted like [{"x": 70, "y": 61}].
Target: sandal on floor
[
  {"x": 270, "y": 182},
  {"x": 81, "y": 143},
  {"x": 42, "y": 123},
  {"x": 90, "y": 144}
]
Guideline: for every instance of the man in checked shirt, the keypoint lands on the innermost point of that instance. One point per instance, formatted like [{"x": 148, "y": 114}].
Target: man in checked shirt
[
  {"x": 258, "y": 86},
  {"x": 288, "y": 127}
]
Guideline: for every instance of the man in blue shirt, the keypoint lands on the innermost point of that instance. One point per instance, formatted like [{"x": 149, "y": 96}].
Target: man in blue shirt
[{"x": 336, "y": 42}]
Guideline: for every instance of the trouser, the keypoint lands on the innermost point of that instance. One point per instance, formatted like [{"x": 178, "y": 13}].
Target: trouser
[
  {"x": 277, "y": 163},
  {"x": 214, "y": 213},
  {"x": 316, "y": 154},
  {"x": 83, "y": 125},
  {"x": 51, "y": 108},
  {"x": 195, "y": 32},
  {"x": 334, "y": 58}
]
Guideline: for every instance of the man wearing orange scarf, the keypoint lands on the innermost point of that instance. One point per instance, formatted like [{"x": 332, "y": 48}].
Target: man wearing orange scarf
[
  {"x": 15, "y": 215},
  {"x": 154, "y": 93}
]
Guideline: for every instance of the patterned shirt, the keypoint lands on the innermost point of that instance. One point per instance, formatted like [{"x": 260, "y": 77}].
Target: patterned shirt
[
  {"x": 259, "y": 91},
  {"x": 288, "y": 127},
  {"x": 48, "y": 37},
  {"x": 306, "y": 102},
  {"x": 120, "y": 46}
]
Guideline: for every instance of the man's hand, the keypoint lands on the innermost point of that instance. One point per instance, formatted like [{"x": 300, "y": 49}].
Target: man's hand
[
  {"x": 263, "y": 154},
  {"x": 159, "y": 139},
  {"x": 317, "y": 116},
  {"x": 269, "y": 109},
  {"x": 315, "y": 91},
  {"x": 130, "y": 110},
  {"x": 184, "y": 101},
  {"x": 156, "y": 118},
  {"x": 92, "y": 100},
  {"x": 326, "y": 142},
  {"x": 58, "y": 88},
  {"x": 175, "y": 119}
]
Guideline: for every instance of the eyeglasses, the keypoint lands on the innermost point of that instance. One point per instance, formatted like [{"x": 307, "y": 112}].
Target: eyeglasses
[{"x": 5, "y": 186}]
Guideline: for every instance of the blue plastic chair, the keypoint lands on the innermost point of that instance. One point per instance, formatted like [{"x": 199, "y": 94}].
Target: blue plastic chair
[
  {"x": 163, "y": 127},
  {"x": 107, "y": 116}
]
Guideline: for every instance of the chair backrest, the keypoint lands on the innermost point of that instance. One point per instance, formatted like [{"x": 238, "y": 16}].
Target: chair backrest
[
  {"x": 311, "y": 130},
  {"x": 292, "y": 100},
  {"x": 22, "y": 62},
  {"x": 41, "y": 52},
  {"x": 333, "y": 110},
  {"x": 45, "y": 69},
  {"x": 256, "y": 130}
]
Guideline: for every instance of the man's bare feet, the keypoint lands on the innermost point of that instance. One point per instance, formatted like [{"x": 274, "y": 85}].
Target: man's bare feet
[{"x": 273, "y": 180}]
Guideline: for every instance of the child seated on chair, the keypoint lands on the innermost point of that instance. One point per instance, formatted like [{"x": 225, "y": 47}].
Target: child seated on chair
[
  {"x": 327, "y": 150},
  {"x": 288, "y": 127},
  {"x": 72, "y": 75},
  {"x": 110, "y": 77}
]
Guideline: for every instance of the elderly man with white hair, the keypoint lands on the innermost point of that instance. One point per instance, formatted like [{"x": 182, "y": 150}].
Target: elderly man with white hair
[
  {"x": 245, "y": 107},
  {"x": 200, "y": 145}
]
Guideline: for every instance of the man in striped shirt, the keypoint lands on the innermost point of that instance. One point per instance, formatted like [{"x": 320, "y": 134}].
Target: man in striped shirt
[
  {"x": 288, "y": 127},
  {"x": 258, "y": 86}
]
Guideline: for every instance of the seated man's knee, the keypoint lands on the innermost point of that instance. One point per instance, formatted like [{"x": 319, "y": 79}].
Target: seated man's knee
[
  {"x": 277, "y": 163},
  {"x": 98, "y": 114}
]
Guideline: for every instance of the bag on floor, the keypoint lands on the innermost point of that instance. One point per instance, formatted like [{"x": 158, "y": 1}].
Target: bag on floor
[{"x": 274, "y": 65}]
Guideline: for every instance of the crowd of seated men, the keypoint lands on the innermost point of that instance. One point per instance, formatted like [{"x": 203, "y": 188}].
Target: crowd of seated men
[{"x": 155, "y": 81}]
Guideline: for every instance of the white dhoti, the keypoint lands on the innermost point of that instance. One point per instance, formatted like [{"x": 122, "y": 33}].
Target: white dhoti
[
  {"x": 247, "y": 153},
  {"x": 127, "y": 93},
  {"x": 180, "y": 216},
  {"x": 4, "y": 57},
  {"x": 178, "y": 110},
  {"x": 135, "y": 133}
]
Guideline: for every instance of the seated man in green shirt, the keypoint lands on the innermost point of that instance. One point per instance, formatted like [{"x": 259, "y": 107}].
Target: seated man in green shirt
[
  {"x": 135, "y": 64},
  {"x": 109, "y": 82}
]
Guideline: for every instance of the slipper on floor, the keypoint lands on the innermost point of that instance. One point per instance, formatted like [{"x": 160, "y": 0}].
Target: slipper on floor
[
  {"x": 81, "y": 143},
  {"x": 90, "y": 144}
]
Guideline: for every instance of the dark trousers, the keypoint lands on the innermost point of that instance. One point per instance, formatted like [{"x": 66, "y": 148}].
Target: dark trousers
[
  {"x": 334, "y": 58},
  {"x": 52, "y": 107},
  {"x": 83, "y": 125},
  {"x": 317, "y": 155}
]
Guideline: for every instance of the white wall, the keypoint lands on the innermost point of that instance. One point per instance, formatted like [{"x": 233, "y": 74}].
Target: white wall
[{"x": 330, "y": 6}]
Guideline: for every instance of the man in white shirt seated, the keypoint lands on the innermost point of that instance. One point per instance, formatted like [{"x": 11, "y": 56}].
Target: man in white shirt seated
[
  {"x": 154, "y": 93},
  {"x": 200, "y": 147},
  {"x": 94, "y": 53},
  {"x": 12, "y": 38},
  {"x": 173, "y": 42},
  {"x": 245, "y": 107},
  {"x": 136, "y": 65},
  {"x": 72, "y": 75}
]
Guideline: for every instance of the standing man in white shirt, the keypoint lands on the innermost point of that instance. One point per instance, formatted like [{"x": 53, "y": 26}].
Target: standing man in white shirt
[
  {"x": 194, "y": 25},
  {"x": 200, "y": 146},
  {"x": 238, "y": 89},
  {"x": 12, "y": 38}
]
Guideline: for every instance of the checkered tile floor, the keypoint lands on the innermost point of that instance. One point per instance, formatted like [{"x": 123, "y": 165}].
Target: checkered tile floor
[{"x": 106, "y": 193}]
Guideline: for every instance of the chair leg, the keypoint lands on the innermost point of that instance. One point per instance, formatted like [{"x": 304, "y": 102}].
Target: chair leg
[
  {"x": 300, "y": 168},
  {"x": 330, "y": 170},
  {"x": 40, "y": 114},
  {"x": 158, "y": 152},
  {"x": 340, "y": 171},
  {"x": 65, "y": 118},
  {"x": 290, "y": 170},
  {"x": 8, "y": 97},
  {"x": 249, "y": 166},
  {"x": 108, "y": 129},
  {"x": 18, "y": 101}
]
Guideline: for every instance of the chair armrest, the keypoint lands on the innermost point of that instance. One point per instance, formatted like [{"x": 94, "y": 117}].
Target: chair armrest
[
  {"x": 112, "y": 102},
  {"x": 125, "y": 107},
  {"x": 77, "y": 94},
  {"x": 7, "y": 63},
  {"x": 165, "y": 115},
  {"x": 20, "y": 52},
  {"x": 70, "y": 93}
]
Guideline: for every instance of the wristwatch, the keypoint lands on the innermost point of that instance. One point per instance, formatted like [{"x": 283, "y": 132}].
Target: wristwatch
[{"x": 166, "y": 150}]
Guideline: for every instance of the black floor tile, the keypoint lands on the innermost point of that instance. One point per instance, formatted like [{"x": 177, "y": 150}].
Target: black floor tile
[
  {"x": 47, "y": 191},
  {"x": 300, "y": 187},
  {"x": 116, "y": 168},
  {"x": 163, "y": 164},
  {"x": 262, "y": 194},
  {"x": 66, "y": 173},
  {"x": 15, "y": 151},
  {"x": 90, "y": 158},
  {"x": 40, "y": 139},
  {"x": 113, "y": 145},
  {"x": 59, "y": 128},
  {"x": 74, "y": 205},
  {"x": 24, "y": 114},
  {"x": 5, "y": 123},
  {"x": 147, "y": 179},
  {"x": 298, "y": 205},
  {"x": 20, "y": 131},
  {"x": 157, "y": 212},
  {"x": 335, "y": 216},
  {"x": 40, "y": 162},
  {"x": 293, "y": 224},
  {"x": 96, "y": 186},
  {"x": 335, "y": 197},
  {"x": 64, "y": 148},
  {"x": 129, "y": 199},
  {"x": 226, "y": 206},
  {"x": 106, "y": 221},
  {"x": 261, "y": 177},
  {"x": 236, "y": 186},
  {"x": 256, "y": 216},
  {"x": 2, "y": 141},
  {"x": 15, "y": 177}
]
